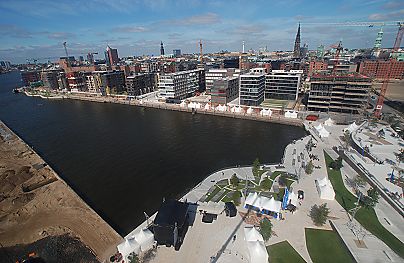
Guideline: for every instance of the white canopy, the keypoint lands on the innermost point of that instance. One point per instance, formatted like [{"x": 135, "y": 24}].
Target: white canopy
[
  {"x": 250, "y": 110},
  {"x": 207, "y": 106},
  {"x": 128, "y": 246},
  {"x": 291, "y": 114},
  {"x": 271, "y": 204},
  {"x": 261, "y": 202},
  {"x": 183, "y": 104},
  {"x": 194, "y": 105},
  {"x": 252, "y": 234},
  {"x": 329, "y": 122},
  {"x": 265, "y": 112},
  {"x": 236, "y": 109},
  {"x": 221, "y": 108},
  {"x": 325, "y": 189},
  {"x": 322, "y": 132},
  {"x": 145, "y": 238},
  {"x": 258, "y": 252},
  {"x": 352, "y": 127},
  {"x": 293, "y": 199}
]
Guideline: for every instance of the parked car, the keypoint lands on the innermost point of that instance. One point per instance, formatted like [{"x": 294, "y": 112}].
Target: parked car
[{"x": 230, "y": 209}]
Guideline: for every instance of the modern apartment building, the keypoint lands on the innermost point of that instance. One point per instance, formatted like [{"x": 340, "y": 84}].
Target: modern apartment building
[
  {"x": 216, "y": 74},
  {"x": 251, "y": 91},
  {"x": 181, "y": 85},
  {"x": 111, "y": 56},
  {"x": 141, "y": 83},
  {"x": 76, "y": 81},
  {"x": 50, "y": 78},
  {"x": 29, "y": 77},
  {"x": 281, "y": 84},
  {"x": 106, "y": 82},
  {"x": 224, "y": 90},
  {"x": 345, "y": 93}
]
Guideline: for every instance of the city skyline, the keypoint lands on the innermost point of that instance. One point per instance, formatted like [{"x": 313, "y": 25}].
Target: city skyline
[{"x": 37, "y": 29}]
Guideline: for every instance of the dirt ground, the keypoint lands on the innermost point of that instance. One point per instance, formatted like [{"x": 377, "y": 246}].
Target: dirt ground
[{"x": 35, "y": 203}]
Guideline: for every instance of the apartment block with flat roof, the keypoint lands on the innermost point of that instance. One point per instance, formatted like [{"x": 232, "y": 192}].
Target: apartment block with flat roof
[
  {"x": 252, "y": 87},
  {"x": 281, "y": 84},
  {"x": 215, "y": 74},
  {"x": 224, "y": 90},
  {"x": 141, "y": 84},
  {"x": 181, "y": 85},
  {"x": 345, "y": 93}
]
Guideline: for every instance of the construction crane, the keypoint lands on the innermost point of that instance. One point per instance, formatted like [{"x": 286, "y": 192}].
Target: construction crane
[
  {"x": 200, "y": 50},
  {"x": 338, "y": 49},
  {"x": 386, "y": 79},
  {"x": 67, "y": 55}
]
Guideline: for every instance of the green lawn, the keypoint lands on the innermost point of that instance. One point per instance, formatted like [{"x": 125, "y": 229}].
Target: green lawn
[
  {"x": 326, "y": 246},
  {"x": 365, "y": 216},
  {"x": 275, "y": 174},
  {"x": 212, "y": 194},
  {"x": 283, "y": 252}
]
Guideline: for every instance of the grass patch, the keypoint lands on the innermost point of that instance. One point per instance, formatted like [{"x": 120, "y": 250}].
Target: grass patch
[
  {"x": 226, "y": 191},
  {"x": 326, "y": 246},
  {"x": 365, "y": 216},
  {"x": 232, "y": 197},
  {"x": 266, "y": 184},
  {"x": 276, "y": 174},
  {"x": 212, "y": 194},
  {"x": 283, "y": 252}
]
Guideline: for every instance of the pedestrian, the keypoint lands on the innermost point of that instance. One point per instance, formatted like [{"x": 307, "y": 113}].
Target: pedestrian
[{"x": 234, "y": 238}]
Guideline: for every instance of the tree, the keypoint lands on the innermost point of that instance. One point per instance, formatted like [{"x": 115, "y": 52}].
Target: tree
[
  {"x": 266, "y": 228},
  {"x": 337, "y": 164},
  {"x": 309, "y": 168},
  {"x": 371, "y": 199},
  {"x": 133, "y": 258},
  {"x": 356, "y": 182},
  {"x": 282, "y": 179},
  {"x": 346, "y": 139},
  {"x": 234, "y": 180},
  {"x": 256, "y": 167},
  {"x": 319, "y": 214}
]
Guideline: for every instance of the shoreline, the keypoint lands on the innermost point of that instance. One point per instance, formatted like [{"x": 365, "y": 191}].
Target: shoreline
[
  {"x": 176, "y": 107},
  {"x": 54, "y": 209}
]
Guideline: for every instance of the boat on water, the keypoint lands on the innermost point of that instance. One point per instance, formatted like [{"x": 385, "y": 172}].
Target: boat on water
[{"x": 16, "y": 90}]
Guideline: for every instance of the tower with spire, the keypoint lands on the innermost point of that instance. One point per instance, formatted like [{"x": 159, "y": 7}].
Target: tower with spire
[
  {"x": 162, "y": 49},
  {"x": 296, "y": 50}
]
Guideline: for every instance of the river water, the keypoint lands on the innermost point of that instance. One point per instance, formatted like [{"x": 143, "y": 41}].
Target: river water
[{"x": 123, "y": 160}]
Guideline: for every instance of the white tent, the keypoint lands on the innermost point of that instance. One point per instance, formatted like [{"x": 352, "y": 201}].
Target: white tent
[
  {"x": 207, "y": 106},
  {"x": 325, "y": 189},
  {"x": 221, "y": 108},
  {"x": 322, "y": 132},
  {"x": 265, "y": 112},
  {"x": 236, "y": 109},
  {"x": 293, "y": 199},
  {"x": 145, "y": 238},
  {"x": 291, "y": 114},
  {"x": 198, "y": 105},
  {"x": 252, "y": 234},
  {"x": 329, "y": 122},
  {"x": 183, "y": 104},
  {"x": 128, "y": 246},
  {"x": 258, "y": 252},
  {"x": 250, "y": 110},
  {"x": 352, "y": 127},
  {"x": 252, "y": 200},
  {"x": 271, "y": 204}
]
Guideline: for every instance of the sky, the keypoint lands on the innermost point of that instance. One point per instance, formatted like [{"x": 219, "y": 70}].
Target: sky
[{"x": 37, "y": 28}]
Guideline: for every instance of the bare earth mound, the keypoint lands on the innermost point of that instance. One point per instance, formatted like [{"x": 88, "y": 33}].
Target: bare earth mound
[{"x": 35, "y": 203}]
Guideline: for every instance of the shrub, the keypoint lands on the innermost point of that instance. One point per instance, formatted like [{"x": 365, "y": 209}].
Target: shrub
[
  {"x": 319, "y": 214},
  {"x": 266, "y": 228}
]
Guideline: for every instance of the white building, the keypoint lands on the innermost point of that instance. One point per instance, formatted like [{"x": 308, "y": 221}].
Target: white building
[
  {"x": 281, "y": 84},
  {"x": 218, "y": 74},
  {"x": 181, "y": 85}
]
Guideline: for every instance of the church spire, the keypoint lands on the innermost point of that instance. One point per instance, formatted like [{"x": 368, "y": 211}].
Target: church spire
[{"x": 296, "y": 50}]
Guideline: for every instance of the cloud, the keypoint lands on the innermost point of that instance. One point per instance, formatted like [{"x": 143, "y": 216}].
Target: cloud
[
  {"x": 386, "y": 16},
  {"x": 203, "y": 19},
  {"x": 393, "y": 5},
  {"x": 14, "y": 31},
  {"x": 131, "y": 29},
  {"x": 59, "y": 35}
]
